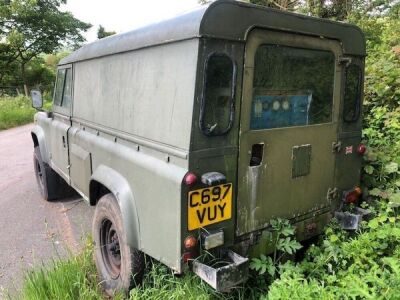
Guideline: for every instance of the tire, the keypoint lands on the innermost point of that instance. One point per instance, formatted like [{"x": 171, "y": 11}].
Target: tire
[
  {"x": 45, "y": 176},
  {"x": 119, "y": 266},
  {"x": 51, "y": 185}
]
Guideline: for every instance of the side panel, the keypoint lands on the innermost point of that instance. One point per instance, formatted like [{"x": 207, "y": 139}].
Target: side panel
[
  {"x": 348, "y": 163},
  {"x": 132, "y": 114},
  {"x": 216, "y": 153},
  {"x": 153, "y": 180},
  {"x": 80, "y": 174},
  {"x": 147, "y": 93}
]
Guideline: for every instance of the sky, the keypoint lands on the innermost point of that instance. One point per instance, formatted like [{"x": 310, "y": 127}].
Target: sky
[{"x": 125, "y": 15}]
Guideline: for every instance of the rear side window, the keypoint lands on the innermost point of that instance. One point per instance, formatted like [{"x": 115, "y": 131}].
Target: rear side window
[
  {"x": 67, "y": 94},
  {"x": 59, "y": 87},
  {"x": 63, "y": 91},
  {"x": 352, "y": 93},
  {"x": 217, "y": 109}
]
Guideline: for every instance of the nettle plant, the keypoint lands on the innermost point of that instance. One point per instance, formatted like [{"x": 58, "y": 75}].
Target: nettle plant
[
  {"x": 281, "y": 238},
  {"x": 382, "y": 162}
]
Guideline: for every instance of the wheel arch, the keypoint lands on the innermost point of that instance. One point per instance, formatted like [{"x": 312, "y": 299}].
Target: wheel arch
[
  {"x": 106, "y": 180},
  {"x": 39, "y": 140}
]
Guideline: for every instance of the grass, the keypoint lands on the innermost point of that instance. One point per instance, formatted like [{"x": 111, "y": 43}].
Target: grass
[
  {"x": 71, "y": 279},
  {"x": 76, "y": 279},
  {"x": 15, "y": 111}
]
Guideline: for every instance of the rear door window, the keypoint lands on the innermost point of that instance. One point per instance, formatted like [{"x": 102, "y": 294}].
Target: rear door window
[
  {"x": 292, "y": 87},
  {"x": 217, "y": 110}
]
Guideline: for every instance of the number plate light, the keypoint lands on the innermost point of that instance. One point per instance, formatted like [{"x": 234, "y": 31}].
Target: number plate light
[{"x": 213, "y": 239}]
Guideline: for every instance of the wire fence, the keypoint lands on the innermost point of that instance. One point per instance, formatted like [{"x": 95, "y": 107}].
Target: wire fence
[{"x": 11, "y": 91}]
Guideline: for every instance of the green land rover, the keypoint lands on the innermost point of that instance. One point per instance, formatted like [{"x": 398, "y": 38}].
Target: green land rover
[{"x": 192, "y": 134}]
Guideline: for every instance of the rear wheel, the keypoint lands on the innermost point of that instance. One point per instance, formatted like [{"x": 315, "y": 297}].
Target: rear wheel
[{"x": 120, "y": 266}]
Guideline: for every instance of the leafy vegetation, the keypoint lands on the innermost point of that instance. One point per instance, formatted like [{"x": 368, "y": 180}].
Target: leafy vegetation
[
  {"x": 344, "y": 265},
  {"x": 17, "y": 111},
  {"x": 281, "y": 239},
  {"x": 30, "y": 28}
]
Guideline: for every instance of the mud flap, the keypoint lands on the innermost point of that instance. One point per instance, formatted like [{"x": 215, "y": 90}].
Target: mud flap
[
  {"x": 222, "y": 279},
  {"x": 351, "y": 221}
]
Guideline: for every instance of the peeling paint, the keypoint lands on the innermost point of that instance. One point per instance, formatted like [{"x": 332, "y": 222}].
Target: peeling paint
[{"x": 252, "y": 183}]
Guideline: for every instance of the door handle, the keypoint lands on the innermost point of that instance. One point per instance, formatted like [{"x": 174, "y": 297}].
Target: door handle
[
  {"x": 63, "y": 141},
  {"x": 257, "y": 152}
]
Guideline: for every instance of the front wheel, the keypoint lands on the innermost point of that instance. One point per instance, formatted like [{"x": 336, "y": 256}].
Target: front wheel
[
  {"x": 120, "y": 267},
  {"x": 46, "y": 178},
  {"x": 51, "y": 185}
]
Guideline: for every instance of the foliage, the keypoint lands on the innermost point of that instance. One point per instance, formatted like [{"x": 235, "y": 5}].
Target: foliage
[
  {"x": 348, "y": 266},
  {"x": 337, "y": 9},
  {"x": 15, "y": 111},
  {"x": 29, "y": 28},
  {"x": 102, "y": 33},
  {"x": 160, "y": 283},
  {"x": 280, "y": 237},
  {"x": 382, "y": 108}
]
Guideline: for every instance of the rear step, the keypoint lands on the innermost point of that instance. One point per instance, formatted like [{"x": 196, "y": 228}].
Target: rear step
[
  {"x": 224, "y": 278},
  {"x": 352, "y": 221}
]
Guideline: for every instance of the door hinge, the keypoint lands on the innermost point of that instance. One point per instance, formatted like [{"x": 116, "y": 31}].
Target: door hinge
[
  {"x": 336, "y": 147},
  {"x": 343, "y": 60},
  {"x": 332, "y": 194}
]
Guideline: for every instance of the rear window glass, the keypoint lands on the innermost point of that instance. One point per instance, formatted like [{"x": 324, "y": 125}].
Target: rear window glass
[
  {"x": 292, "y": 87},
  {"x": 352, "y": 94},
  {"x": 217, "y": 105},
  {"x": 59, "y": 87},
  {"x": 66, "y": 102},
  {"x": 63, "y": 91}
]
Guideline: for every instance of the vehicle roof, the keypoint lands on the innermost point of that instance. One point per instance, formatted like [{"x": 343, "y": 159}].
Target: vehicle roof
[{"x": 224, "y": 19}]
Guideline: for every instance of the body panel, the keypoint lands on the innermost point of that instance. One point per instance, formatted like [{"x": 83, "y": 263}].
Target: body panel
[
  {"x": 58, "y": 155},
  {"x": 128, "y": 91}
]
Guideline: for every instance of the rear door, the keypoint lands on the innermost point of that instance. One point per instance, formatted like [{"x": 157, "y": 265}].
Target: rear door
[{"x": 289, "y": 123}]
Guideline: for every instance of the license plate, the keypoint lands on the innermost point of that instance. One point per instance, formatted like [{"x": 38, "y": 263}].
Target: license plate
[{"x": 209, "y": 205}]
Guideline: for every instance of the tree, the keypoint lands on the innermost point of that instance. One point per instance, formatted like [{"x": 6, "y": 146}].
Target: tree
[
  {"x": 29, "y": 28},
  {"x": 102, "y": 33},
  {"x": 334, "y": 9},
  {"x": 289, "y": 5}
]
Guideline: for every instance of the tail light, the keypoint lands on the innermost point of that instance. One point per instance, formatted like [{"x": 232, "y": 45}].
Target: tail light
[
  {"x": 187, "y": 256},
  {"x": 361, "y": 149},
  {"x": 190, "y": 179},
  {"x": 190, "y": 242},
  {"x": 190, "y": 253},
  {"x": 353, "y": 196}
]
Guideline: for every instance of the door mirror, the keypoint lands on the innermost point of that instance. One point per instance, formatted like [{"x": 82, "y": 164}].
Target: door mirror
[{"x": 37, "y": 101}]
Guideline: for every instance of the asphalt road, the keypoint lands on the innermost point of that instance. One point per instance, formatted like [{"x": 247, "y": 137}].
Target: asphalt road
[{"x": 32, "y": 231}]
